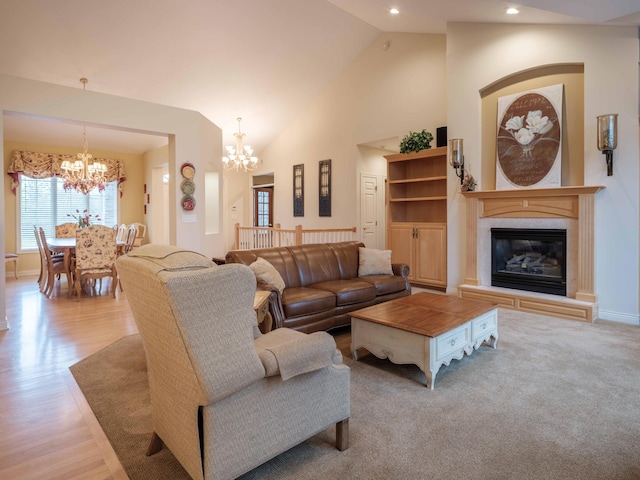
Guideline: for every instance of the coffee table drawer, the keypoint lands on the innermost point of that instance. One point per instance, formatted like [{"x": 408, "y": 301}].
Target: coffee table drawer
[
  {"x": 484, "y": 324},
  {"x": 454, "y": 340}
]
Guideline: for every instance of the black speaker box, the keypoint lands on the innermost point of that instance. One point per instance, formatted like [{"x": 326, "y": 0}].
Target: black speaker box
[{"x": 441, "y": 137}]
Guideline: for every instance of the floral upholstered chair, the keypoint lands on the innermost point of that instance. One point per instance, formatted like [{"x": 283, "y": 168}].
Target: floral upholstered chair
[
  {"x": 95, "y": 256},
  {"x": 66, "y": 230}
]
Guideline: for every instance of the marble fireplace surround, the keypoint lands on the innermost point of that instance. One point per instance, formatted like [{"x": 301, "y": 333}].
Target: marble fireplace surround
[{"x": 570, "y": 208}]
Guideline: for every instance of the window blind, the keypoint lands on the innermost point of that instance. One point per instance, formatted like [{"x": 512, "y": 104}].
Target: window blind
[{"x": 43, "y": 202}]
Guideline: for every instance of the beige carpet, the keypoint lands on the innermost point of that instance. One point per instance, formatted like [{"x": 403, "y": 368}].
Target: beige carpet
[{"x": 558, "y": 399}]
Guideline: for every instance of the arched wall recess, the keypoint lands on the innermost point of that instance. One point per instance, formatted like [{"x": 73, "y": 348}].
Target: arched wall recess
[{"x": 572, "y": 77}]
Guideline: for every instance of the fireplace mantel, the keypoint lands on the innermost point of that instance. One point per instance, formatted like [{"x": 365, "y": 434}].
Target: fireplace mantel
[
  {"x": 562, "y": 202},
  {"x": 535, "y": 192},
  {"x": 576, "y": 203}
]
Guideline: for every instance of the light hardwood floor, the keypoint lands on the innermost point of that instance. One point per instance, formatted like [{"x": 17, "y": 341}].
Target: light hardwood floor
[{"x": 47, "y": 431}]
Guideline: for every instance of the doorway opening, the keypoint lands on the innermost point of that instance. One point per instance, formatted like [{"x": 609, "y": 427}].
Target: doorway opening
[
  {"x": 263, "y": 190},
  {"x": 263, "y": 207}
]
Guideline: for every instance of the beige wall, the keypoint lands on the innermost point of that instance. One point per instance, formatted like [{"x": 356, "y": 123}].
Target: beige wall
[
  {"x": 130, "y": 206},
  {"x": 479, "y": 55},
  {"x": 192, "y": 138},
  {"x": 382, "y": 94},
  {"x": 156, "y": 163}
]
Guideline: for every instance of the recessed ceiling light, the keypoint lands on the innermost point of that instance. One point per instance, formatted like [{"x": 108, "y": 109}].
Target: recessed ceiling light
[
  {"x": 394, "y": 11},
  {"x": 512, "y": 11}
]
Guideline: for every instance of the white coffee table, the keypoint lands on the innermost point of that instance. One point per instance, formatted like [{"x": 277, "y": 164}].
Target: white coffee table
[{"x": 425, "y": 329}]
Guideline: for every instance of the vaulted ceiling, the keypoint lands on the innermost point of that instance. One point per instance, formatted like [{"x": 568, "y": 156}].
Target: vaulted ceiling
[{"x": 261, "y": 60}]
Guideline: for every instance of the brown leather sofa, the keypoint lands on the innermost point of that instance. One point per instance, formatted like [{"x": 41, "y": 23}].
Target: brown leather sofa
[{"x": 322, "y": 284}]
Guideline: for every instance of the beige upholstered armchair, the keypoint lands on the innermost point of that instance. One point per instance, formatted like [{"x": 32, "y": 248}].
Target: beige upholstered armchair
[{"x": 226, "y": 398}]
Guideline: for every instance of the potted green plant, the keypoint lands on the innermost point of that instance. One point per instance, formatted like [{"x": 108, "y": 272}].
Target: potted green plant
[{"x": 416, "y": 141}]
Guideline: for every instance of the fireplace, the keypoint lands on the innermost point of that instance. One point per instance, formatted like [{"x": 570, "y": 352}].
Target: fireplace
[
  {"x": 571, "y": 208},
  {"x": 529, "y": 259}
]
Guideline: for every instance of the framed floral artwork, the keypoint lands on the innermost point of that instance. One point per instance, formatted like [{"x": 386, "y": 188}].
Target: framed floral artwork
[{"x": 529, "y": 140}]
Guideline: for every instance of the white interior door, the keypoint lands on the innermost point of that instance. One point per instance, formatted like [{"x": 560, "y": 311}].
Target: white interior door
[{"x": 369, "y": 210}]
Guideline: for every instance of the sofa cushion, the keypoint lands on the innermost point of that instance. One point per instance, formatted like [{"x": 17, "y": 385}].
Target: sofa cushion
[
  {"x": 347, "y": 255},
  {"x": 316, "y": 262},
  {"x": 304, "y": 301},
  {"x": 386, "y": 284},
  {"x": 374, "y": 262},
  {"x": 348, "y": 291},
  {"x": 266, "y": 274}
]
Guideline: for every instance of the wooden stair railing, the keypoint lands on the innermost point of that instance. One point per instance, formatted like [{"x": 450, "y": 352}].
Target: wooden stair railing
[{"x": 248, "y": 238}]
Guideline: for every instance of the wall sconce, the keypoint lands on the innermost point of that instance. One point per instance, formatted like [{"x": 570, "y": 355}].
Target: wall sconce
[
  {"x": 607, "y": 137},
  {"x": 456, "y": 157}
]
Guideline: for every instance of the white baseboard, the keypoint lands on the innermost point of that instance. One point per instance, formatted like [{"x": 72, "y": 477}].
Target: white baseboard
[{"x": 619, "y": 317}]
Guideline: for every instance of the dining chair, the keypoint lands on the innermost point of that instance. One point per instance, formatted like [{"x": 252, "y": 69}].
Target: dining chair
[
  {"x": 12, "y": 258},
  {"x": 129, "y": 239},
  {"x": 132, "y": 233},
  {"x": 95, "y": 256},
  {"x": 42, "y": 278},
  {"x": 66, "y": 230},
  {"x": 121, "y": 236},
  {"x": 141, "y": 231},
  {"x": 53, "y": 266},
  {"x": 43, "y": 270}
]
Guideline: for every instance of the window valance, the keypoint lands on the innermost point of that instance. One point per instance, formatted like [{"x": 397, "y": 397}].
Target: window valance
[{"x": 45, "y": 165}]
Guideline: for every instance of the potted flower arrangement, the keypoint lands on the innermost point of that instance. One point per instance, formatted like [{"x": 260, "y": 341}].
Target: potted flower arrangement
[
  {"x": 416, "y": 141},
  {"x": 83, "y": 218}
]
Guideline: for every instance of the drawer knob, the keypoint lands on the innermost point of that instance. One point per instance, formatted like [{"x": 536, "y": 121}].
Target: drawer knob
[
  {"x": 452, "y": 342},
  {"x": 484, "y": 325}
]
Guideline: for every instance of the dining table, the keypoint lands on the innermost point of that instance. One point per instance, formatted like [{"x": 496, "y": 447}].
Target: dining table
[{"x": 67, "y": 246}]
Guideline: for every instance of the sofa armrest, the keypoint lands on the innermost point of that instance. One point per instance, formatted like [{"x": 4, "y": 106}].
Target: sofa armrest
[
  {"x": 275, "y": 304},
  {"x": 402, "y": 270}
]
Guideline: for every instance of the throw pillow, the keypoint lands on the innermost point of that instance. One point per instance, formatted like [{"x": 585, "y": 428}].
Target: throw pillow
[
  {"x": 266, "y": 273},
  {"x": 374, "y": 262}
]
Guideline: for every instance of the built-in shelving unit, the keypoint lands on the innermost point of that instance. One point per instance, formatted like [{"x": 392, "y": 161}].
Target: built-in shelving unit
[{"x": 417, "y": 213}]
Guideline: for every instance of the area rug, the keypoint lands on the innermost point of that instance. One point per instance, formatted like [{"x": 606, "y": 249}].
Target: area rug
[{"x": 558, "y": 399}]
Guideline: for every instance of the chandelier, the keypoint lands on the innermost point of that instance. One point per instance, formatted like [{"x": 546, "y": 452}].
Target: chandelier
[
  {"x": 80, "y": 175},
  {"x": 240, "y": 158}
]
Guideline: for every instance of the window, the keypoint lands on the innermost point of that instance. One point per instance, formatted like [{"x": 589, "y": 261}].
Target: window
[{"x": 45, "y": 203}]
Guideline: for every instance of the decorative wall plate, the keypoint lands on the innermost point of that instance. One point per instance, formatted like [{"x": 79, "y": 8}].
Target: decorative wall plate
[
  {"x": 188, "y": 187},
  {"x": 188, "y": 170},
  {"x": 188, "y": 202}
]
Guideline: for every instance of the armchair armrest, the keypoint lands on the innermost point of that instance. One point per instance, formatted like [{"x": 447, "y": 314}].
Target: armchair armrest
[{"x": 289, "y": 353}]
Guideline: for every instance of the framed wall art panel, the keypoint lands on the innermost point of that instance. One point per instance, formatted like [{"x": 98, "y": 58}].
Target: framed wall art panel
[
  {"x": 324, "y": 188},
  {"x": 298, "y": 190}
]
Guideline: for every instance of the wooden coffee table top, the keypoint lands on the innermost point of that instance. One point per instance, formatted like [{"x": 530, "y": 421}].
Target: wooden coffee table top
[{"x": 424, "y": 313}]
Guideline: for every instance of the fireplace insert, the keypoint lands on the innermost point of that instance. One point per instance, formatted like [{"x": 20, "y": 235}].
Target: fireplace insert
[{"x": 529, "y": 259}]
